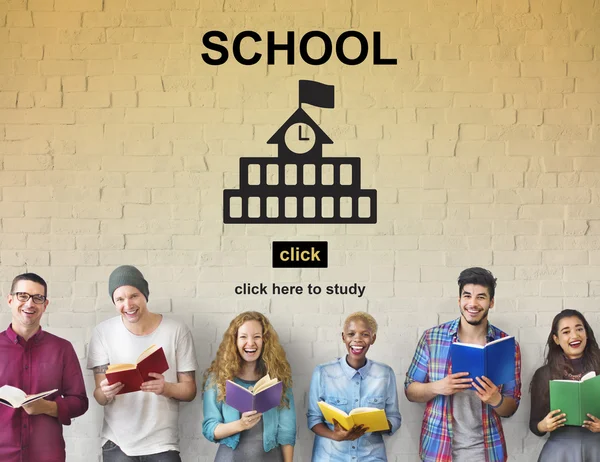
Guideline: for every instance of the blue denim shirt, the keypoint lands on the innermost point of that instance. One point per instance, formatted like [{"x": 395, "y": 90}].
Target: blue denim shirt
[
  {"x": 279, "y": 424},
  {"x": 338, "y": 384}
]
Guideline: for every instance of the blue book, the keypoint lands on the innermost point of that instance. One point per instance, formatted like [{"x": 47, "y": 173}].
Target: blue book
[{"x": 495, "y": 360}]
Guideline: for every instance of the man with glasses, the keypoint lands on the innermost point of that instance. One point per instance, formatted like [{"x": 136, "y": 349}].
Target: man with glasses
[
  {"x": 36, "y": 361},
  {"x": 141, "y": 426}
]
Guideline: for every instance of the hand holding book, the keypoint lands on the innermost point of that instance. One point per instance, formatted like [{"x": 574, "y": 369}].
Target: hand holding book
[
  {"x": 341, "y": 434},
  {"x": 41, "y": 406},
  {"x": 553, "y": 420},
  {"x": 110, "y": 390},
  {"x": 249, "y": 419},
  {"x": 488, "y": 392},
  {"x": 155, "y": 383},
  {"x": 453, "y": 383},
  {"x": 593, "y": 424}
]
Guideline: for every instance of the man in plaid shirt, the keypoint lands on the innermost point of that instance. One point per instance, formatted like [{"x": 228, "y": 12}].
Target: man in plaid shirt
[{"x": 462, "y": 425}]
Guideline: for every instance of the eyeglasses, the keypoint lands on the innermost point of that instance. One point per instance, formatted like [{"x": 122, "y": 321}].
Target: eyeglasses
[{"x": 24, "y": 296}]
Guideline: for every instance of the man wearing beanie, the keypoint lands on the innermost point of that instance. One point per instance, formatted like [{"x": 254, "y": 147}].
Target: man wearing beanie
[{"x": 144, "y": 423}]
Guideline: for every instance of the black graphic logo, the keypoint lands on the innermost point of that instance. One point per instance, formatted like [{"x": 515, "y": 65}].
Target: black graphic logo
[{"x": 300, "y": 185}]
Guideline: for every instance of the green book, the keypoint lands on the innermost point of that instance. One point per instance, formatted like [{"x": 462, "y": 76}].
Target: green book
[{"x": 576, "y": 398}]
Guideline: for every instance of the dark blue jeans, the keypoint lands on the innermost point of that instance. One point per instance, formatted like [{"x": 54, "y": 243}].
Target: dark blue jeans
[{"x": 112, "y": 453}]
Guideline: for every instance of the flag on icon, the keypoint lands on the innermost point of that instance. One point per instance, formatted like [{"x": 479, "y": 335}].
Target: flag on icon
[{"x": 316, "y": 94}]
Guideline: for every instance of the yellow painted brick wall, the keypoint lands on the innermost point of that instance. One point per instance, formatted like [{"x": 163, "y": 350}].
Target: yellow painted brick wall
[{"x": 116, "y": 141}]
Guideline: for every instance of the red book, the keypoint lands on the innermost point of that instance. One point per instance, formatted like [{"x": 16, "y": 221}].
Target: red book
[{"x": 133, "y": 375}]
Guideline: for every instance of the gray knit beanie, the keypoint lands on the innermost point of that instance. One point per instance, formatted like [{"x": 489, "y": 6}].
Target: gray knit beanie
[{"x": 127, "y": 275}]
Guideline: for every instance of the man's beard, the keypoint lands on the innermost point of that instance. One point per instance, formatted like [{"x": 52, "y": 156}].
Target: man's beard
[{"x": 476, "y": 323}]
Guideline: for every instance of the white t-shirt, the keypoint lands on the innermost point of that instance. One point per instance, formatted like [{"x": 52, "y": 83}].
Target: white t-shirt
[{"x": 142, "y": 423}]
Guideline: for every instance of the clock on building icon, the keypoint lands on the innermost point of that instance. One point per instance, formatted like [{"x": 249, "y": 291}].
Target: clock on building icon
[{"x": 300, "y": 185}]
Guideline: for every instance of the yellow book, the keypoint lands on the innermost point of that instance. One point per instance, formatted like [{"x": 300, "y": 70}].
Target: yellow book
[{"x": 372, "y": 418}]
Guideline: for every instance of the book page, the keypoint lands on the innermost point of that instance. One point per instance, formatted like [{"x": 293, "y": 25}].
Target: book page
[
  {"x": 360, "y": 410},
  {"x": 503, "y": 339},
  {"x": 32, "y": 398},
  {"x": 119, "y": 367},
  {"x": 589, "y": 375},
  {"x": 470, "y": 345},
  {"x": 263, "y": 386},
  {"x": 147, "y": 352},
  {"x": 12, "y": 395},
  {"x": 260, "y": 382}
]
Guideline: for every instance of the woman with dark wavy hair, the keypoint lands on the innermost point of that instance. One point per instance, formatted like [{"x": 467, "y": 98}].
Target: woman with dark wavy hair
[{"x": 572, "y": 351}]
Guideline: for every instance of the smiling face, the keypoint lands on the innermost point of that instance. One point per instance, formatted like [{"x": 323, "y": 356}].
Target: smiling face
[
  {"x": 475, "y": 303},
  {"x": 250, "y": 341},
  {"x": 130, "y": 303},
  {"x": 26, "y": 316},
  {"x": 358, "y": 337},
  {"x": 571, "y": 337}
]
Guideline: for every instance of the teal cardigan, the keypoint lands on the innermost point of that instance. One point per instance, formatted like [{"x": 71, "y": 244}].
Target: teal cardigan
[{"x": 279, "y": 424}]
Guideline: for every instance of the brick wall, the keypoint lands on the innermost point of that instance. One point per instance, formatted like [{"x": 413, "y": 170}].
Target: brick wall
[{"x": 116, "y": 141}]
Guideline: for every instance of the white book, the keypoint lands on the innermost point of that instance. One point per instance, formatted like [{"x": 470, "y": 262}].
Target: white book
[{"x": 15, "y": 398}]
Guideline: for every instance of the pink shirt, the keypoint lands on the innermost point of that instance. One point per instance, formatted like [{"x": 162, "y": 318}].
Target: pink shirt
[{"x": 41, "y": 364}]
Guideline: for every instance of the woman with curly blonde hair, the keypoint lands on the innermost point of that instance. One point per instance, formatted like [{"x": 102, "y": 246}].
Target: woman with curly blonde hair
[{"x": 249, "y": 350}]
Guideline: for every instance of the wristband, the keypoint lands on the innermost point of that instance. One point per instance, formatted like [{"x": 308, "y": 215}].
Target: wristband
[{"x": 500, "y": 403}]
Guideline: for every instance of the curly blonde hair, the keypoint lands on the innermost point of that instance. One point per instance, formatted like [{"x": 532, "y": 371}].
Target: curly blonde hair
[{"x": 228, "y": 361}]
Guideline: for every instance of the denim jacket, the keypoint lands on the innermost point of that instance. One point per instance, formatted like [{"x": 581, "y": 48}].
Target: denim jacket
[
  {"x": 279, "y": 424},
  {"x": 338, "y": 384}
]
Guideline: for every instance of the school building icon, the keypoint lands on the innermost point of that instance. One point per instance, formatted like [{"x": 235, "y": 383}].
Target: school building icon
[{"x": 300, "y": 185}]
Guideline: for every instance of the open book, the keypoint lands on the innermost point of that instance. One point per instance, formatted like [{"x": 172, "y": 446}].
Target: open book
[
  {"x": 265, "y": 395},
  {"x": 495, "y": 360},
  {"x": 371, "y": 417},
  {"x": 152, "y": 359},
  {"x": 576, "y": 398},
  {"x": 15, "y": 398}
]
